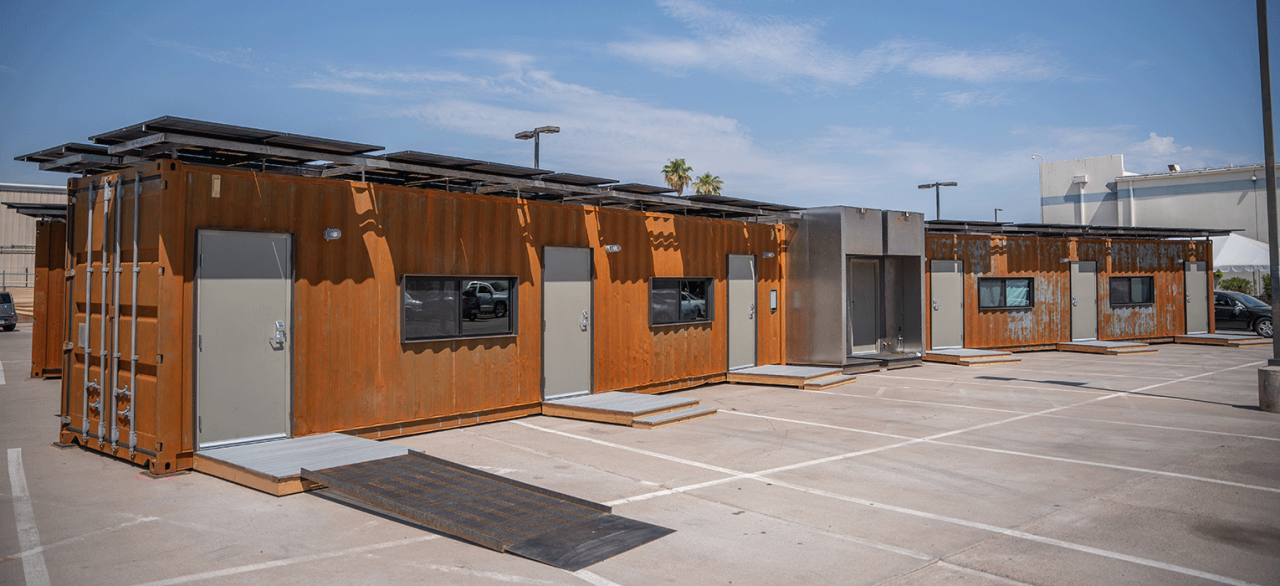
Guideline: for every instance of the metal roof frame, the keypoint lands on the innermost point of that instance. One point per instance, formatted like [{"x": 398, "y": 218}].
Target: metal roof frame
[
  {"x": 965, "y": 227},
  {"x": 40, "y": 211},
  {"x": 224, "y": 145}
]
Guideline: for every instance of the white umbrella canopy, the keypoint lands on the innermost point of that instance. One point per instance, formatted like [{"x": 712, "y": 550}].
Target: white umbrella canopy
[{"x": 1236, "y": 253}]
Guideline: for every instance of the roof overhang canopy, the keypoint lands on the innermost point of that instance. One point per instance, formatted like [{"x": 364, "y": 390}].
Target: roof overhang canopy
[
  {"x": 40, "y": 211},
  {"x": 223, "y": 145}
]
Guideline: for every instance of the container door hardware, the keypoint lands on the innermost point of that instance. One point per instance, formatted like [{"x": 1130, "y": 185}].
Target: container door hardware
[
  {"x": 751, "y": 314},
  {"x": 934, "y": 302},
  {"x": 1073, "y": 301},
  {"x": 280, "y": 336},
  {"x": 586, "y": 321}
]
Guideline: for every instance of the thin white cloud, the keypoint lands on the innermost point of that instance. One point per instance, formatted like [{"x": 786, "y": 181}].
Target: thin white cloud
[
  {"x": 7, "y": 69},
  {"x": 241, "y": 57},
  {"x": 774, "y": 50}
]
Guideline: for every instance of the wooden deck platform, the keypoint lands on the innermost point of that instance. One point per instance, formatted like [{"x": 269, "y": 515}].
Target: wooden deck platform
[
  {"x": 784, "y": 375},
  {"x": 633, "y": 409},
  {"x": 971, "y": 357},
  {"x": 1109, "y": 348},
  {"x": 275, "y": 467},
  {"x": 1232, "y": 340}
]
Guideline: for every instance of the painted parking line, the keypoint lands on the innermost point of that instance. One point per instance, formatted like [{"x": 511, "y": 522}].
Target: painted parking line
[
  {"x": 1053, "y": 416},
  {"x": 1020, "y": 454},
  {"x": 1, "y": 373},
  {"x": 34, "y": 570},
  {"x": 287, "y": 562},
  {"x": 762, "y": 476}
]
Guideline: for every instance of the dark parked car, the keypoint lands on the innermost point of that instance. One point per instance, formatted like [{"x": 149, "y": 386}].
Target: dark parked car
[
  {"x": 1237, "y": 310},
  {"x": 8, "y": 317}
]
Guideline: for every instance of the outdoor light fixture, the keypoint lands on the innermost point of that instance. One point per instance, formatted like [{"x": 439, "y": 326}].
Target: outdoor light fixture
[
  {"x": 937, "y": 194},
  {"x": 1064, "y": 260},
  {"x": 332, "y": 233},
  {"x": 768, "y": 255},
  {"x": 998, "y": 210},
  {"x": 528, "y": 134},
  {"x": 613, "y": 248}
]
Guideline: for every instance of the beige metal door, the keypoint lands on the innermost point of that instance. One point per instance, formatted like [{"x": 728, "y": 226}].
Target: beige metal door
[
  {"x": 1196, "y": 285},
  {"x": 864, "y": 305},
  {"x": 1084, "y": 301},
  {"x": 742, "y": 311},
  {"x": 244, "y": 290},
  {"x": 946, "y": 304},
  {"x": 566, "y": 322}
]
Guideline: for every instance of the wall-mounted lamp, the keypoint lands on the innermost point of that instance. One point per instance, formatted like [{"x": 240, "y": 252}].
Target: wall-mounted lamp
[
  {"x": 1064, "y": 260},
  {"x": 768, "y": 255},
  {"x": 332, "y": 233},
  {"x": 613, "y": 248}
]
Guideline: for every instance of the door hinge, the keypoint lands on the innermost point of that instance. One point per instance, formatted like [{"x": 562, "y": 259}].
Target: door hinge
[
  {"x": 199, "y": 343},
  {"x": 199, "y": 423}
]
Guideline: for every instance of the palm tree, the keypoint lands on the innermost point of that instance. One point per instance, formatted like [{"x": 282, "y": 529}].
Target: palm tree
[
  {"x": 708, "y": 184},
  {"x": 677, "y": 175}
]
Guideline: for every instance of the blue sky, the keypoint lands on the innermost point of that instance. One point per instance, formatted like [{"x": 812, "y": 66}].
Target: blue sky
[{"x": 805, "y": 103}]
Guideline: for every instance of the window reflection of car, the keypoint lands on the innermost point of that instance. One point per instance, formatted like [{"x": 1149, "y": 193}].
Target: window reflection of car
[
  {"x": 1237, "y": 310},
  {"x": 692, "y": 307},
  {"x": 490, "y": 297}
]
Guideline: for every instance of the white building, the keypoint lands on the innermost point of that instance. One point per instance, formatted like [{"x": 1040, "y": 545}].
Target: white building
[
  {"x": 1098, "y": 191},
  {"x": 18, "y": 232}
]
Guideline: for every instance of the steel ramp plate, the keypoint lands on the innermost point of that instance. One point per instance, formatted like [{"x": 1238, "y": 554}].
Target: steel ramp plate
[{"x": 490, "y": 510}]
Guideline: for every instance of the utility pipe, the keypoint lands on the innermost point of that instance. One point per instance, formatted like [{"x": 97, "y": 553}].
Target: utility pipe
[
  {"x": 133, "y": 322},
  {"x": 88, "y": 311},
  {"x": 108, "y": 191},
  {"x": 115, "y": 326}
]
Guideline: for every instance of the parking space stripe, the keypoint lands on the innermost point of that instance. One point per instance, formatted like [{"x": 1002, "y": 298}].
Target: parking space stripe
[{"x": 34, "y": 570}]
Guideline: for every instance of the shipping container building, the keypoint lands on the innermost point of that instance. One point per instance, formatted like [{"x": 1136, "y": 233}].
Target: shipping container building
[
  {"x": 48, "y": 285},
  {"x": 228, "y": 285},
  {"x": 1002, "y": 286}
]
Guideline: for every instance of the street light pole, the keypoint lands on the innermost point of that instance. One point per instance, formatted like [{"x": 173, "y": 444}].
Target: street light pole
[
  {"x": 998, "y": 210},
  {"x": 937, "y": 194},
  {"x": 1269, "y": 376},
  {"x": 528, "y": 134}
]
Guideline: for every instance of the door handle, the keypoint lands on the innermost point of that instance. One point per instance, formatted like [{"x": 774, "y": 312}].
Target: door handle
[
  {"x": 935, "y": 305},
  {"x": 280, "y": 335},
  {"x": 586, "y": 320},
  {"x": 752, "y": 314},
  {"x": 1073, "y": 301}
]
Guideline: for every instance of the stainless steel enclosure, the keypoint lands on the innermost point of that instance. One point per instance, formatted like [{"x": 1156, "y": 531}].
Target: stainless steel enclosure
[{"x": 822, "y": 287}]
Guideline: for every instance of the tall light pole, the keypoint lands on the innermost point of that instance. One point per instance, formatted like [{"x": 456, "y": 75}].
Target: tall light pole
[
  {"x": 528, "y": 134},
  {"x": 998, "y": 210},
  {"x": 1269, "y": 376},
  {"x": 937, "y": 194}
]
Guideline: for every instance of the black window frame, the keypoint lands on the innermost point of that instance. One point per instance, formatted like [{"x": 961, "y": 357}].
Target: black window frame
[
  {"x": 709, "y": 313},
  {"x": 1128, "y": 288},
  {"x": 460, "y": 284},
  {"x": 1004, "y": 292}
]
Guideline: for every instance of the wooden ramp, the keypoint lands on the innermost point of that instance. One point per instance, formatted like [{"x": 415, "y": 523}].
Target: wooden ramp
[
  {"x": 1109, "y": 348},
  {"x": 1232, "y": 340},
  {"x": 275, "y": 467},
  {"x": 804, "y": 377},
  {"x": 633, "y": 409},
  {"x": 489, "y": 510},
  {"x": 971, "y": 357}
]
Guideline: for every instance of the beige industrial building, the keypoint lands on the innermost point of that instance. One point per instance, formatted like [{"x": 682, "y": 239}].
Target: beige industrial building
[{"x": 18, "y": 231}]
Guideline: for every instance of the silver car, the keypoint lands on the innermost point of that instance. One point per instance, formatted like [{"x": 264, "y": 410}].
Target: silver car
[{"x": 8, "y": 317}]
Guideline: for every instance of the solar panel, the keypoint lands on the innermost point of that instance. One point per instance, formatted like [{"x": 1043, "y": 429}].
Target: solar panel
[{"x": 229, "y": 132}]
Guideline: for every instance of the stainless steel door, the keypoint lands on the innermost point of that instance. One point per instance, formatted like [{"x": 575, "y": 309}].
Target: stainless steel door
[
  {"x": 567, "y": 320},
  {"x": 864, "y": 305},
  {"x": 742, "y": 311},
  {"x": 1196, "y": 288},
  {"x": 1084, "y": 301},
  {"x": 244, "y": 290},
  {"x": 946, "y": 304}
]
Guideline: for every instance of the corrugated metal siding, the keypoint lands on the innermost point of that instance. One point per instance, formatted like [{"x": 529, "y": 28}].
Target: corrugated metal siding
[
  {"x": 351, "y": 372},
  {"x": 49, "y": 299},
  {"x": 1049, "y": 321}
]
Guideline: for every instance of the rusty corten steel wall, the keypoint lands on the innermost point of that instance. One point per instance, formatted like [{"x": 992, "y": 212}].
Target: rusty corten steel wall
[
  {"x": 1049, "y": 321},
  {"x": 351, "y": 373},
  {"x": 49, "y": 299}
]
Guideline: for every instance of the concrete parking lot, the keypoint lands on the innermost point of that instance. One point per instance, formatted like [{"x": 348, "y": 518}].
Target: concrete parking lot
[{"x": 1064, "y": 469}]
